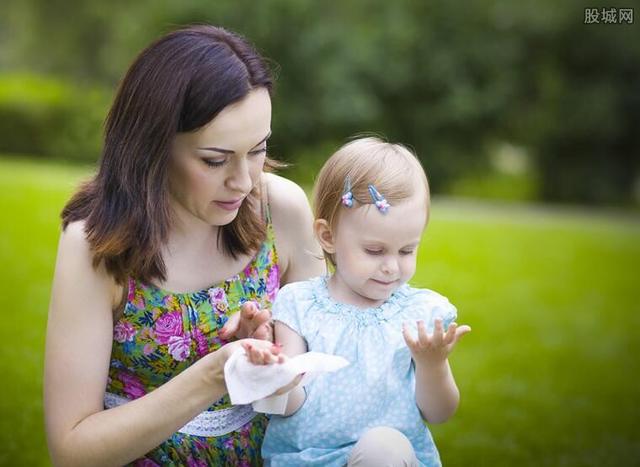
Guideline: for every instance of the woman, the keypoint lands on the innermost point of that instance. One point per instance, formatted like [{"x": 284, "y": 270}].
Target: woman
[{"x": 180, "y": 228}]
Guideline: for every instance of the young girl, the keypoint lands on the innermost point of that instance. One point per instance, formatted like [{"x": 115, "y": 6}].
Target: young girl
[{"x": 371, "y": 208}]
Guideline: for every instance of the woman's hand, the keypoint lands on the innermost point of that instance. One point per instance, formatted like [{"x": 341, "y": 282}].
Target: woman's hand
[
  {"x": 250, "y": 321},
  {"x": 434, "y": 349}
]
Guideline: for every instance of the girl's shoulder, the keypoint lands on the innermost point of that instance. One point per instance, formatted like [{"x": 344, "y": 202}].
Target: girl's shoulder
[
  {"x": 301, "y": 290},
  {"x": 429, "y": 304}
]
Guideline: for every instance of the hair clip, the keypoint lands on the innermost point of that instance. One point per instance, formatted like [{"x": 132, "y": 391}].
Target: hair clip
[
  {"x": 347, "y": 195},
  {"x": 379, "y": 200}
]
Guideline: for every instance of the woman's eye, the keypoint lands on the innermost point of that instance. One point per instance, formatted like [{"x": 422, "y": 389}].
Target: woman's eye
[
  {"x": 372, "y": 252},
  {"x": 257, "y": 152},
  {"x": 214, "y": 163}
]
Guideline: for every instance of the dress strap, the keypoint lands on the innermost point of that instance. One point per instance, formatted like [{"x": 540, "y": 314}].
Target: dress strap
[{"x": 264, "y": 199}]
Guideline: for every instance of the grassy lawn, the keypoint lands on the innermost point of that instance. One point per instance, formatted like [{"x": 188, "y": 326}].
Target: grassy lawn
[{"x": 548, "y": 376}]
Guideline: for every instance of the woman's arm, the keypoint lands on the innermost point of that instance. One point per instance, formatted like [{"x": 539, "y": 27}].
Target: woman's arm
[
  {"x": 299, "y": 254},
  {"x": 78, "y": 348}
]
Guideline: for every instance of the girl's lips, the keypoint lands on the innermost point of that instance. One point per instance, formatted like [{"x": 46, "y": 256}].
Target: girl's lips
[
  {"x": 383, "y": 282},
  {"x": 230, "y": 205}
]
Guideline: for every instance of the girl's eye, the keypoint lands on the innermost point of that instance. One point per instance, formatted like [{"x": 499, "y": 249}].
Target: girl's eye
[
  {"x": 214, "y": 163},
  {"x": 373, "y": 252},
  {"x": 407, "y": 252}
]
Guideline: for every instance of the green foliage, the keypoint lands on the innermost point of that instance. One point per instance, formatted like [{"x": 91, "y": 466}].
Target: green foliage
[
  {"x": 442, "y": 78},
  {"x": 546, "y": 375},
  {"x": 50, "y": 118}
]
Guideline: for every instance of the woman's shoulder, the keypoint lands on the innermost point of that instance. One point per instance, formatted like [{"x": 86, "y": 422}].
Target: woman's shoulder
[
  {"x": 76, "y": 259},
  {"x": 299, "y": 255},
  {"x": 285, "y": 196}
]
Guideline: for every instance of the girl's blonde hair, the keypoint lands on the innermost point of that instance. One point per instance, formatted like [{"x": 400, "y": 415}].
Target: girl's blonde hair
[{"x": 393, "y": 169}]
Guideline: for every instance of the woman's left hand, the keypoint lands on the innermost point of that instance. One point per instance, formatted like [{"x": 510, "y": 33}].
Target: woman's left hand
[
  {"x": 250, "y": 321},
  {"x": 434, "y": 348}
]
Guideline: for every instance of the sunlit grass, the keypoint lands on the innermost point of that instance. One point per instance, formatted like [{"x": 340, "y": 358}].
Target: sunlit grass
[{"x": 546, "y": 376}]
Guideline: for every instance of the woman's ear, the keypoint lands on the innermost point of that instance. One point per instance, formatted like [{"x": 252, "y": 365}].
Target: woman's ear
[{"x": 324, "y": 235}]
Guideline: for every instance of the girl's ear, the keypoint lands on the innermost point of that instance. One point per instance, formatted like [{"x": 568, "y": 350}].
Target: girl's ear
[{"x": 324, "y": 235}]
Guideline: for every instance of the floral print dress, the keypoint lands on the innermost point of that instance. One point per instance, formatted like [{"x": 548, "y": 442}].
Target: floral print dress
[{"x": 162, "y": 333}]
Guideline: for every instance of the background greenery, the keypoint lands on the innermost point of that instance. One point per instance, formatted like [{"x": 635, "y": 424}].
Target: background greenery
[
  {"x": 519, "y": 103},
  {"x": 481, "y": 90}
]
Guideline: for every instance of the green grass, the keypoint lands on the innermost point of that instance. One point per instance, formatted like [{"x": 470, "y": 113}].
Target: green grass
[{"x": 547, "y": 376}]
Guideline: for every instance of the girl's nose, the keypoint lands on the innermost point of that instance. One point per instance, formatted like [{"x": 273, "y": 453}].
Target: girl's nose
[{"x": 390, "y": 266}]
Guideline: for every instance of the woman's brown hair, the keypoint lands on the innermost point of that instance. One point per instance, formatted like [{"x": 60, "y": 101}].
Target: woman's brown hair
[{"x": 177, "y": 84}]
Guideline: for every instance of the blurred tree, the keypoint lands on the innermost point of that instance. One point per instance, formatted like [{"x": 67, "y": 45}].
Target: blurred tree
[{"x": 447, "y": 79}]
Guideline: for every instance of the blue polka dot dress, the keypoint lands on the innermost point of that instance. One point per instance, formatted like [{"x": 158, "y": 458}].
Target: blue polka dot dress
[{"x": 376, "y": 389}]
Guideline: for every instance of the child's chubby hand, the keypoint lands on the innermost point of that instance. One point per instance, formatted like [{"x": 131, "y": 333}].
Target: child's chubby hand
[
  {"x": 266, "y": 355},
  {"x": 434, "y": 348}
]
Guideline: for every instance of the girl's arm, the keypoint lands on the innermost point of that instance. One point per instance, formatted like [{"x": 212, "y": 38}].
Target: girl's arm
[
  {"x": 78, "y": 348},
  {"x": 292, "y": 344},
  {"x": 288, "y": 344},
  {"x": 437, "y": 395}
]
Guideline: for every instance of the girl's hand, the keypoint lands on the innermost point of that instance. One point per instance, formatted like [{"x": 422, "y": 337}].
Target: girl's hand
[
  {"x": 436, "y": 348},
  {"x": 263, "y": 355},
  {"x": 267, "y": 355},
  {"x": 250, "y": 321}
]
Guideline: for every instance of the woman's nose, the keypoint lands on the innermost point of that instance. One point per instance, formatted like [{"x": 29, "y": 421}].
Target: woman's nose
[{"x": 240, "y": 177}]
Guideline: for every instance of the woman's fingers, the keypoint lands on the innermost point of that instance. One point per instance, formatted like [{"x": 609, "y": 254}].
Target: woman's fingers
[
  {"x": 250, "y": 321},
  {"x": 230, "y": 328},
  {"x": 264, "y": 331}
]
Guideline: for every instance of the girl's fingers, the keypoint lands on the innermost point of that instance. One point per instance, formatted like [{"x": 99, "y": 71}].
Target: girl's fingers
[
  {"x": 451, "y": 334},
  {"x": 438, "y": 332},
  {"x": 411, "y": 343},
  {"x": 423, "y": 337},
  {"x": 461, "y": 331}
]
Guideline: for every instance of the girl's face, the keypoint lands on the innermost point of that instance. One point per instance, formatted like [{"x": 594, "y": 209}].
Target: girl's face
[
  {"x": 213, "y": 169},
  {"x": 376, "y": 253}
]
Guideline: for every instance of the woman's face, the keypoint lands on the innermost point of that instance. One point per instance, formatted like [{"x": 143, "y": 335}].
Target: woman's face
[{"x": 213, "y": 169}]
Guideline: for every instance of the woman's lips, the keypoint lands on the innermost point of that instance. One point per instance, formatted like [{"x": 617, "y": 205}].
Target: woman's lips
[{"x": 230, "y": 205}]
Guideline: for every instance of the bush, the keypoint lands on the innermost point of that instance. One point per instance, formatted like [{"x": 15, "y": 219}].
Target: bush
[{"x": 48, "y": 117}]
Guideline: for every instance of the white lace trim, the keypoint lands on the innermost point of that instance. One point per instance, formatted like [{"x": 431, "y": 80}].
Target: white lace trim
[{"x": 208, "y": 423}]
